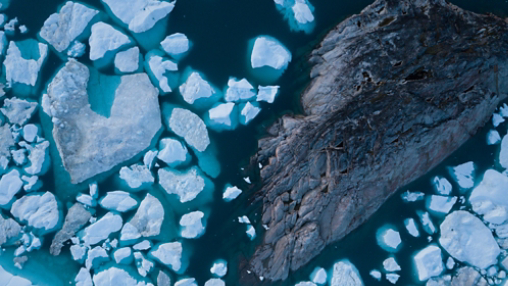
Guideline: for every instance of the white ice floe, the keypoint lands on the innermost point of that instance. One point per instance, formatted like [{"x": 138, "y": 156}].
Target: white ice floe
[
  {"x": 442, "y": 186},
  {"x": 411, "y": 227},
  {"x": 244, "y": 219},
  {"x": 239, "y": 90},
  {"x": 24, "y": 70},
  {"x": 83, "y": 278},
  {"x": 219, "y": 268},
  {"x": 489, "y": 197},
  {"x": 391, "y": 265},
  {"x": 468, "y": 240},
  {"x": 159, "y": 66},
  {"x": 149, "y": 217},
  {"x": 392, "y": 277},
  {"x": 39, "y": 211},
  {"x": 139, "y": 15},
  {"x": 38, "y": 158},
  {"x": 149, "y": 158},
  {"x": 440, "y": 204},
  {"x": 169, "y": 254},
  {"x": 173, "y": 152},
  {"x": 302, "y": 12},
  {"x": 388, "y": 238},
  {"x": 345, "y": 273},
  {"x": 269, "y": 52},
  {"x": 186, "y": 185},
  {"x": 376, "y": 274},
  {"x": 76, "y": 50},
  {"x": 503, "y": 154},
  {"x": 8, "y": 279},
  {"x": 319, "y": 276},
  {"x": 196, "y": 90},
  {"x": 429, "y": 262},
  {"x": 86, "y": 200},
  {"x": 105, "y": 39},
  {"x": 137, "y": 177},
  {"x": 96, "y": 256},
  {"x": 267, "y": 93},
  {"x": 409, "y": 196},
  {"x": 251, "y": 232},
  {"x": 144, "y": 265},
  {"x": 19, "y": 156},
  {"x": 231, "y": 193},
  {"x": 305, "y": 283},
  {"x": 31, "y": 183},
  {"x": 463, "y": 174},
  {"x": 176, "y": 44},
  {"x": 497, "y": 119},
  {"x": 78, "y": 252},
  {"x": 102, "y": 229},
  {"x": 129, "y": 233},
  {"x": 426, "y": 222},
  {"x": 190, "y": 127},
  {"x": 215, "y": 282},
  {"x": 118, "y": 201},
  {"x": 450, "y": 263},
  {"x": 191, "y": 225},
  {"x": 62, "y": 28},
  {"x": 10, "y": 27},
  {"x": 222, "y": 116},
  {"x": 493, "y": 137},
  {"x": 23, "y": 29},
  {"x": 123, "y": 255},
  {"x": 116, "y": 276},
  {"x": 30, "y": 132},
  {"x": 144, "y": 245},
  {"x": 248, "y": 111},
  {"x": 186, "y": 282},
  {"x": 10, "y": 185},
  {"x": 128, "y": 61},
  {"x": 18, "y": 111}
]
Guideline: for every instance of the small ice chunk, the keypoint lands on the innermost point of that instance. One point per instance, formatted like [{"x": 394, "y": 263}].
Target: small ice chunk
[
  {"x": 442, "y": 186},
  {"x": 30, "y": 132},
  {"x": 116, "y": 276},
  {"x": 159, "y": 66},
  {"x": 493, "y": 137},
  {"x": 412, "y": 196},
  {"x": 149, "y": 158},
  {"x": 411, "y": 227},
  {"x": 269, "y": 52},
  {"x": 244, "y": 219},
  {"x": 11, "y": 25},
  {"x": 186, "y": 185},
  {"x": 86, "y": 200},
  {"x": 191, "y": 225},
  {"x": 137, "y": 177},
  {"x": 38, "y": 157},
  {"x": 345, "y": 273},
  {"x": 186, "y": 282},
  {"x": 96, "y": 256},
  {"x": 127, "y": 61},
  {"x": 31, "y": 183},
  {"x": 102, "y": 229},
  {"x": 391, "y": 265},
  {"x": 450, "y": 263},
  {"x": 169, "y": 254},
  {"x": 104, "y": 39},
  {"x": 123, "y": 255},
  {"x": 175, "y": 44},
  {"x": 267, "y": 93},
  {"x": 388, "y": 238},
  {"x": 24, "y": 70},
  {"x": 429, "y": 262},
  {"x": 173, "y": 152},
  {"x": 38, "y": 210},
  {"x": 118, "y": 201},
  {"x": 83, "y": 278},
  {"x": 197, "y": 90},
  {"x": 231, "y": 193},
  {"x": 76, "y": 50},
  {"x": 149, "y": 217},
  {"x": 215, "y": 282},
  {"x": 239, "y": 90},
  {"x": 23, "y": 29},
  {"x": 18, "y": 111},
  {"x": 319, "y": 276},
  {"x": 376, "y": 274},
  {"x": 144, "y": 265},
  {"x": 392, "y": 277},
  {"x": 219, "y": 268},
  {"x": 78, "y": 252},
  {"x": 489, "y": 197},
  {"x": 248, "y": 111},
  {"x": 62, "y": 28},
  {"x": 222, "y": 116},
  {"x": 19, "y": 156},
  {"x": 440, "y": 204},
  {"x": 144, "y": 245},
  {"x": 251, "y": 232},
  {"x": 189, "y": 126},
  {"x": 468, "y": 240},
  {"x": 305, "y": 283},
  {"x": 497, "y": 119},
  {"x": 463, "y": 175},
  {"x": 427, "y": 223}
]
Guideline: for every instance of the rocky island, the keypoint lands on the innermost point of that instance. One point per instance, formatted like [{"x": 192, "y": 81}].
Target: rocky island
[{"x": 394, "y": 91}]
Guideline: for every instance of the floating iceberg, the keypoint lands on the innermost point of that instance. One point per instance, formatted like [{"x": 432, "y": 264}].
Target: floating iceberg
[
  {"x": 345, "y": 273},
  {"x": 231, "y": 193},
  {"x": 30, "y": 132},
  {"x": 215, "y": 282},
  {"x": 248, "y": 111},
  {"x": 376, "y": 274},
  {"x": 169, "y": 254},
  {"x": 197, "y": 91},
  {"x": 144, "y": 245},
  {"x": 69, "y": 24},
  {"x": 10, "y": 231},
  {"x": 391, "y": 265},
  {"x": 189, "y": 126},
  {"x": 162, "y": 71},
  {"x": 429, "y": 262},
  {"x": 463, "y": 174},
  {"x": 298, "y": 13},
  {"x": 102, "y": 229},
  {"x": 440, "y": 204},
  {"x": 186, "y": 282},
  {"x": 149, "y": 217},
  {"x": 123, "y": 255},
  {"x": 25, "y": 69},
  {"x": 219, "y": 268},
  {"x": 39, "y": 211},
  {"x": 191, "y": 225},
  {"x": 144, "y": 265},
  {"x": 186, "y": 185},
  {"x": 116, "y": 276},
  {"x": 269, "y": 52},
  {"x": 176, "y": 45},
  {"x": 239, "y": 90},
  {"x": 83, "y": 278},
  {"x": 96, "y": 256},
  {"x": 119, "y": 201},
  {"x": 136, "y": 177},
  {"x": 319, "y": 276},
  {"x": 409, "y": 196},
  {"x": 173, "y": 152},
  {"x": 389, "y": 239},
  {"x": 503, "y": 154},
  {"x": 222, "y": 116},
  {"x": 411, "y": 227},
  {"x": 392, "y": 277},
  {"x": 489, "y": 197},
  {"x": 10, "y": 185},
  {"x": 493, "y": 137},
  {"x": 105, "y": 39},
  {"x": 427, "y": 223},
  {"x": 78, "y": 252},
  {"x": 128, "y": 61},
  {"x": 8, "y": 279},
  {"x": 267, "y": 93},
  {"x": 38, "y": 158},
  {"x": 468, "y": 240},
  {"x": 442, "y": 186}
]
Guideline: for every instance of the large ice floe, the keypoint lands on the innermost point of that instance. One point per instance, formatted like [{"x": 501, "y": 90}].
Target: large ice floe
[
  {"x": 187, "y": 125},
  {"x": 489, "y": 198},
  {"x": 128, "y": 61},
  {"x": 102, "y": 229},
  {"x": 345, "y": 273},
  {"x": 105, "y": 38},
  {"x": 169, "y": 254},
  {"x": 85, "y": 138},
  {"x": 39, "y": 211},
  {"x": 116, "y": 276},
  {"x": 7, "y": 279},
  {"x": 429, "y": 262},
  {"x": 192, "y": 225},
  {"x": 147, "y": 221},
  {"x": 187, "y": 185},
  {"x": 173, "y": 152},
  {"x": 176, "y": 45},
  {"x": 198, "y": 92},
  {"x": 222, "y": 116},
  {"x": 269, "y": 52}
]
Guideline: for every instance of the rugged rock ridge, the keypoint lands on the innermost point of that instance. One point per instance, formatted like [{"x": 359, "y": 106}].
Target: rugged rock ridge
[{"x": 394, "y": 91}]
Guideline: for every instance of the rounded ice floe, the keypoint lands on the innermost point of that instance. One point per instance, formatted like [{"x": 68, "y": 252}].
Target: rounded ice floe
[
  {"x": 127, "y": 61},
  {"x": 144, "y": 245},
  {"x": 319, "y": 276},
  {"x": 468, "y": 240},
  {"x": 248, "y": 111},
  {"x": 440, "y": 204},
  {"x": 102, "y": 229},
  {"x": 303, "y": 12},
  {"x": 186, "y": 185},
  {"x": 30, "y": 132},
  {"x": 176, "y": 45},
  {"x": 392, "y": 277},
  {"x": 388, "y": 238},
  {"x": 78, "y": 252},
  {"x": 463, "y": 174},
  {"x": 429, "y": 262},
  {"x": 105, "y": 38},
  {"x": 123, "y": 255},
  {"x": 136, "y": 177},
  {"x": 489, "y": 197},
  {"x": 24, "y": 70},
  {"x": 70, "y": 23},
  {"x": 411, "y": 227},
  {"x": 18, "y": 111},
  {"x": 231, "y": 193},
  {"x": 269, "y": 52},
  {"x": 493, "y": 137},
  {"x": 267, "y": 93},
  {"x": 222, "y": 116},
  {"x": 190, "y": 127},
  {"x": 119, "y": 201},
  {"x": 376, "y": 274},
  {"x": 173, "y": 152},
  {"x": 442, "y": 186},
  {"x": 191, "y": 225},
  {"x": 162, "y": 71},
  {"x": 215, "y": 282},
  {"x": 169, "y": 254},
  {"x": 116, "y": 276},
  {"x": 219, "y": 268},
  {"x": 149, "y": 217},
  {"x": 39, "y": 211},
  {"x": 239, "y": 90},
  {"x": 197, "y": 91},
  {"x": 10, "y": 185},
  {"x": 391, "y": 265},
  {"x": 345, "y": 273}
]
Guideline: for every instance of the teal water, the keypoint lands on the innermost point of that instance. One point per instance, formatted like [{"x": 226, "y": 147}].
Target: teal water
[{"x": 220, "y": 31}]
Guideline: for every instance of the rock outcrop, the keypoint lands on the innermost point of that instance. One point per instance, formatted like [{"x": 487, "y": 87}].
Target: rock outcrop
[{"x": 394, "y": 91}]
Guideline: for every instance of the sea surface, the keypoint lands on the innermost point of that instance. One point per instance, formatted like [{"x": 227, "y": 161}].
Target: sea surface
[{"x": 220, "y": 31}]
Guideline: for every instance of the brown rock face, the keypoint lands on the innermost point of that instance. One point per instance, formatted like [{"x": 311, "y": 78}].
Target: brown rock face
[{"x": 394, "y": 91}]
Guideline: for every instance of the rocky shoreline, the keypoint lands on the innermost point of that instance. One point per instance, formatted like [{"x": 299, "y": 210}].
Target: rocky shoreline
[{"x": 394, "y": 91}]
